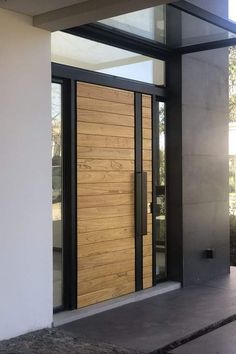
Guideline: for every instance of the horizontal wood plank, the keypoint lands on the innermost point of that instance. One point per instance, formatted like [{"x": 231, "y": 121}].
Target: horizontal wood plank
[
  {"x": 106, "y": 153},
  {"x": 117, "y": 280},
  {"x": 89, "y": 116},
  {"x": 147, "y": 282},
  {"x": 106, "y": 224},
  {"x": 147, "y": 261},
  {"x": 147, "y": 101},
  {"x": 98, "y": 272},
  {"x": 94, "y": 237},
  {"x": 114, "y": 142},
  {"x": 105, "y": 106},
  {"x": 105, "y": 258},
  {"x": 113, "y": 189},
  {"x": 101, "y": 248},
  {"x": 104, "y": 93},
  {"x": 102, "y": 212},
  {"x": 105, "y": 294},
  {"x": 147, "y": 272},
  {"x": 109, "y": 130},
  {"x": 106, "y": 165},
  {"x": 105, "y": 176},
  {"x": 112, "y": 200}
]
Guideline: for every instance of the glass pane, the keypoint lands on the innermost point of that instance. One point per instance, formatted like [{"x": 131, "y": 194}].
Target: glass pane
[
  {"x": 147, "y": 23},
  {"x": 57, "y": 193},
  {"x": 194, "y": 31},
  {"x": 152, "y": 24},
  {"x": 86, "y": 54},
  {"x": 161, "y": 199}
]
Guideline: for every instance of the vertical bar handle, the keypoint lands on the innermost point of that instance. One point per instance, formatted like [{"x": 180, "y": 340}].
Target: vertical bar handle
[{"x": 144, "y": 203}]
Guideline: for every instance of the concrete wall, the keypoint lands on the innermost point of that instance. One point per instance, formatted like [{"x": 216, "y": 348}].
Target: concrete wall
[
  {"x": 25, "y": 177},
  {"x": 205, "y": 160}
]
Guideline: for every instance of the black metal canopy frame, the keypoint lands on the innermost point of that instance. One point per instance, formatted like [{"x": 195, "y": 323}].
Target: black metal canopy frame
[{"x": 128, "y": 41}]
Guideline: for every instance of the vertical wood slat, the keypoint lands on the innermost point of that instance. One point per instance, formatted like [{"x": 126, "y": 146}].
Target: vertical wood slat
[{"x": 105, "y": 231}]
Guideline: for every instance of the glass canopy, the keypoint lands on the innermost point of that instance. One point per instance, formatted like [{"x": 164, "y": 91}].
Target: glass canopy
[
  {"x": 177, "y": 25},
  {"x": 140, "y": 42},
  {"x": 148, "y": 23}
]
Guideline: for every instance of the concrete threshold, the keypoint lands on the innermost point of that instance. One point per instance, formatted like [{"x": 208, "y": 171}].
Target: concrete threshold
[{"x": 64, "y": 317}]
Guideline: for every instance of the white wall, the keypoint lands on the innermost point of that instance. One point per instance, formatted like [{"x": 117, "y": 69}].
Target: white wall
[{"x": 25, "y": 177}]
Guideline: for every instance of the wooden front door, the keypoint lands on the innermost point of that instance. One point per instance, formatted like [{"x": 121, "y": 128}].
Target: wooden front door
[
  {"x": 114, "y": 157},
  {"x": 106, "y": 175}
]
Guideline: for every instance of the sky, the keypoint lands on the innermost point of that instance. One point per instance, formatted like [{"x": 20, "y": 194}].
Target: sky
[{"x": 232, "y": 10}]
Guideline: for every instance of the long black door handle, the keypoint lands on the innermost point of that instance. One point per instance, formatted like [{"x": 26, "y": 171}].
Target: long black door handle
[{"x": 144, "y": 203}]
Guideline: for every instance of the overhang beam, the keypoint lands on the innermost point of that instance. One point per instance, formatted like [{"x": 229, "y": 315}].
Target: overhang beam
[{"x": 90, "y": 11}]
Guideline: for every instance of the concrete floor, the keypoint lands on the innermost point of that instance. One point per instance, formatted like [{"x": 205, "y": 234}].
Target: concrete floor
[
  {"x": 155, "y": 323},
  {"x": 219, "y": 341}
]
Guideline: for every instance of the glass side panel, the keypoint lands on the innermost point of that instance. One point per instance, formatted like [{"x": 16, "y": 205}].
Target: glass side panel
[
  {"x": 161, "y": 200},
  {"x": 147, "y": 23},
  {"x": 86, "y": 54},
  {"x": 57, "y": 194}
]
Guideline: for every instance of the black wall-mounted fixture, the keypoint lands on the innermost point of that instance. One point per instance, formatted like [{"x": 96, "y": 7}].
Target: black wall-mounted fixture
[{"x": 209, "y": 253}]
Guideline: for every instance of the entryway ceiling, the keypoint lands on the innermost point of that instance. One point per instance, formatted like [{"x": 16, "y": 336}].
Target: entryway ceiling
[
  {"x": 57, "y": 15},
  {"x": 35, "y": 7}
]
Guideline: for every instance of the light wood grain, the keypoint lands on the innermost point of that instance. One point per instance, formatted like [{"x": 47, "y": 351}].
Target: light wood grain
[
  {"x": 106, "y": 165},
  {"x": 102, "y": 212},
  {"x": 106, "y": 258},
  {"x": 108, "y": 130},
  {"x": 105, "y": 176},
  {"x": 92, "y": 285},
  {"x": 106, "y": 153},
  {"x": 99, "y": 141},
  {"x": 106, "y": 223},
  {"x": 99, "y": 271},
  {"x": 94, "y": 237},
  {"x": 100, "y": 248},
  {"x": 114, "y": 189},
  {"x": 89, "y": 116},
  {"x": 105, "y": 294},
  {"x": 105, "y": 172},
  {"x": 105, "y": 106},
  {"x": 147, "y": 101},
  {"x": 147, "y": 282},
  {"x": 105, "y": 93},
  {"x": 111, "y": 200}
]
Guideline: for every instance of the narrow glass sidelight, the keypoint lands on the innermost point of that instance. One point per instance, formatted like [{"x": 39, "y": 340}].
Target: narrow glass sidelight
[
  {"x": 57, "y": 200},
  {"x": 161, "y": 198}
]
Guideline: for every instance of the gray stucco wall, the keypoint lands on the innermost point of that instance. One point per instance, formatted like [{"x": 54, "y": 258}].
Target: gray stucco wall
[{"x": 205, "y": 159}]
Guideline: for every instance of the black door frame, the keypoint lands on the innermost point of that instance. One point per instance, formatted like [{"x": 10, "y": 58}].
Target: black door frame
[{"x": 68, "y": 77}]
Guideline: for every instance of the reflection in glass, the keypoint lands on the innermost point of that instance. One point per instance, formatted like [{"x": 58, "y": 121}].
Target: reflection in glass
[
  {"x": 161, "y": 199},
  {"x": 57, "y": 193},
  {"x": 90, "y": 55},
  {"x": 147, "y": 23},
  {"x": 194, "y": 30},
  {"x": 151, "y": 24}
]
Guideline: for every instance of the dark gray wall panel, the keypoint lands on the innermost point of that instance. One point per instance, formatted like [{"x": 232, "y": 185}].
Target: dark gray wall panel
[{"x": 205, "y": 160}]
